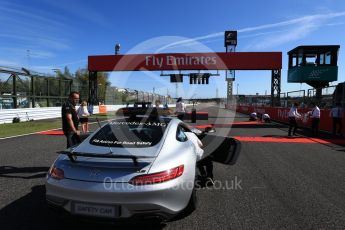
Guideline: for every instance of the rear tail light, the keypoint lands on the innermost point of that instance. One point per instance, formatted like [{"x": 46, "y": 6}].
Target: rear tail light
[
  {"x": 56, "y": 173},
  {"x": 158, "y": 177}
]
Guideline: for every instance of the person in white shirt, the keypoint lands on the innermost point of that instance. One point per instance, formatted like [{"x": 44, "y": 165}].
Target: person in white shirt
[
  {"x": 180, "y": 108},
  {"x": 205, "y": 165},
  {"x": 315, "y": 119},
  {"x": 336, "y": 114},
  {"x": 293, "y": 114},
  {"x": 253, "y": 116},
  {"x": 83, "y": 115},
  {"x": 266, "y": 118},
  {"x": 158, "y": 103},
  {"x": 197, "y": 144}
]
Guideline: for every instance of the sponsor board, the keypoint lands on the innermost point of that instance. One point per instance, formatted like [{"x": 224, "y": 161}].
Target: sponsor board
[
  {"x": 187, "y": 61},
  {"x": 282, "y": 114}
]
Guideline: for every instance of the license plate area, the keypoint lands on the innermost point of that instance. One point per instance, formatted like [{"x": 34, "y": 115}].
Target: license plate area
[{"x": 96, "y": 210}]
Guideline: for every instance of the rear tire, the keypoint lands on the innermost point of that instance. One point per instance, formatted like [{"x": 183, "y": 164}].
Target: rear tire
[{"x": 192, "y": 204}]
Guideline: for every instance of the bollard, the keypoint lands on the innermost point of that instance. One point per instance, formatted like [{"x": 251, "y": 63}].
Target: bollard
[{"x": 193, "y": 115}]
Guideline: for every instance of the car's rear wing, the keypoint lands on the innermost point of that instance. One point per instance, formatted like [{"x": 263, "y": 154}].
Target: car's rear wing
[{"x": 72, "y": 156}]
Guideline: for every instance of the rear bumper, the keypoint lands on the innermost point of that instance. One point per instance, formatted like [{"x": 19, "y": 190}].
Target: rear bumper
[
  {"x": 163, "y": 200},
  {"x": 149, "y": 213}
]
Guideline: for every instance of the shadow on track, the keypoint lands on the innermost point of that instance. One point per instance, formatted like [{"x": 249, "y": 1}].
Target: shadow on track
[
  {"x": 22, "y": 173},
  {"x": 31, "y": 212}
]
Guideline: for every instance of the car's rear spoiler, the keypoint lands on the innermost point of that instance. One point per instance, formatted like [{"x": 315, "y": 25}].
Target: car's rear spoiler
[{"x": 72, "y": 156}]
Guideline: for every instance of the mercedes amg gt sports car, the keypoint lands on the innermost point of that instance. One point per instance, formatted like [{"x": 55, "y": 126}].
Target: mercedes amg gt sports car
[{"x": 130, "y": 167}]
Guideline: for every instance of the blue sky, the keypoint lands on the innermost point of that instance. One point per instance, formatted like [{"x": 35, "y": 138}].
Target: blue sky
[{"x": 63, "y": 33}]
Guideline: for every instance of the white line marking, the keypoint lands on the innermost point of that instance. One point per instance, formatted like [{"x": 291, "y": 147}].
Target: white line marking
[{"x": 27, "y": 134}]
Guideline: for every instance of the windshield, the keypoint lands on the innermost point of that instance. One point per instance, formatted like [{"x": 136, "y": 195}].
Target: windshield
[{"x": 130, "y": 134}]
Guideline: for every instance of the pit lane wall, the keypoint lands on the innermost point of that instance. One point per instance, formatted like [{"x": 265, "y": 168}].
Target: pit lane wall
[
  {"x": 26, "y": 114},
  {"x": 281, "y": 115}
]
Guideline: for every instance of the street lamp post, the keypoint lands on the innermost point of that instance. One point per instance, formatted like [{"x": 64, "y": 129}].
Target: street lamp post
[
  {"x": 142, "y": 96},
  {"x": 137, "y": 92},
  {"x": 117, "y": 48},
  {"x": 153, "y": 94},
  {"x": 114, "y": 95}
]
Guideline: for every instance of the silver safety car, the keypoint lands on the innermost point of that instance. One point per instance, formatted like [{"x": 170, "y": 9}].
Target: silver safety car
[{"x": 130, "y": 167}]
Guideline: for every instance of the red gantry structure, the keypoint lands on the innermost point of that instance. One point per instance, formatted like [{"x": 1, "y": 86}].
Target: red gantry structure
[{"x": 188, "y": 61}]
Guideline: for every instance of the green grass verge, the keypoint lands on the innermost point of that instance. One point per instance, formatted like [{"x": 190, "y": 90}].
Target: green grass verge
[{"x": 7, "y": 130}]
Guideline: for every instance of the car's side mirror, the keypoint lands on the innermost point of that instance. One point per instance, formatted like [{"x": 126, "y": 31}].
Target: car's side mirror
[
  {"x": 197, "y": 132},
  {"x": 202, "y": 134},
  {"x": 209, "y": 130}
]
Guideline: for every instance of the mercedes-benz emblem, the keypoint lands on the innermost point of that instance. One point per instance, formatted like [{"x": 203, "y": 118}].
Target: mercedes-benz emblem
[{"x": 95, "y": 173}]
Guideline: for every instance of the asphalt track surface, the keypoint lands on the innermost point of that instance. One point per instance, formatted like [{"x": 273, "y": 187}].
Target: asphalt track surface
[{"x": 274, "y": 185}]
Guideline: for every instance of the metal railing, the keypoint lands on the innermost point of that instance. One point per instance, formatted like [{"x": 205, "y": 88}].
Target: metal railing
[{"x": 303, "y": 97}]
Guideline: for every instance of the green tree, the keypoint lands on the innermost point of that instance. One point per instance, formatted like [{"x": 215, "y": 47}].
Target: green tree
[
  {"x": 103, "y": 84},
  {"x": 81, "y": 84}
]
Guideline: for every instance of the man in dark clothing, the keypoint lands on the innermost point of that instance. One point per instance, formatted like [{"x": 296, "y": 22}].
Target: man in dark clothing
[
  {"x": 315, "y": 119},
  {"x": 70, "y": 120},
  {"x": 336, "y": 114},
  {"x": 293, "y": 114},
  {"x": 205, "y": 167}
]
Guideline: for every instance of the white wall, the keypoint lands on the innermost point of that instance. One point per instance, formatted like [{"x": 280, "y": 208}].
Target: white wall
[{"x": 7, "y": 115}]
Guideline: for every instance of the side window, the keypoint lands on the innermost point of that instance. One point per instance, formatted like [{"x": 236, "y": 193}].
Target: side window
[
  {"x": 328, "y": 58},
  {"x": 180, "y": 135}
]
